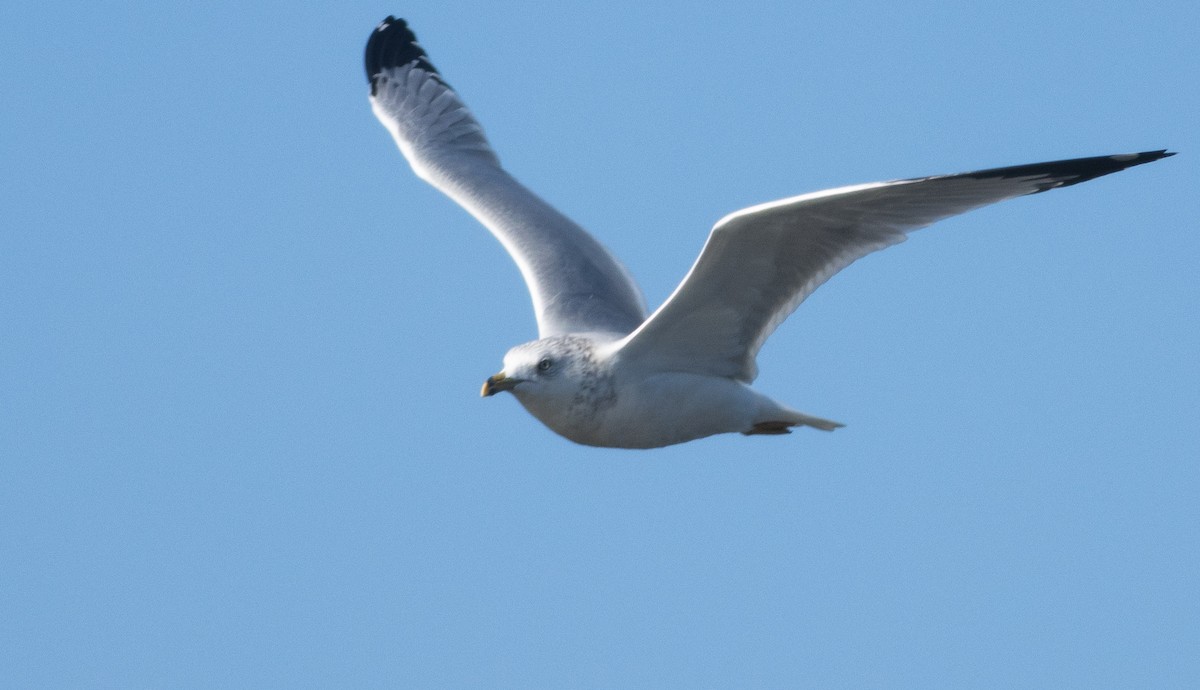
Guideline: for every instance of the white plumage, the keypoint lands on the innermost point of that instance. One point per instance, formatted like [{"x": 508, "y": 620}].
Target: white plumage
[{"x": 602, "y": 372}]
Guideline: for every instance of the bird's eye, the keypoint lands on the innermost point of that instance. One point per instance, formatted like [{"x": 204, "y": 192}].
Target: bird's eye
[{"x": 544, "y": 364}]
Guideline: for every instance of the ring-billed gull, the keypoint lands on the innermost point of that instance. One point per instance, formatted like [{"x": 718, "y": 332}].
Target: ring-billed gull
[{"x": 602, "y": 373}]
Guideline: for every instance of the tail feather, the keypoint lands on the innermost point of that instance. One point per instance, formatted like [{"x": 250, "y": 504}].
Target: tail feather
[
  {"x": 784, "y": 426},
  {"x": 817, "y": 422}
]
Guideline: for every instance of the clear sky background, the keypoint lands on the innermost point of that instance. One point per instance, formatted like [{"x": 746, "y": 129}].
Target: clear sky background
[{"x": 241, "y": 442}]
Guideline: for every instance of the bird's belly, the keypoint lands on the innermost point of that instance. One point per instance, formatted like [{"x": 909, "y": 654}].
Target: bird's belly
[{"x": 665, "y": 409}]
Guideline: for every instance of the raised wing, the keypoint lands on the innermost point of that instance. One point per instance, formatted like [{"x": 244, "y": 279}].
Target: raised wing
[
  {"x": 576, "y": 285},
  {"x": 760, "y": 263}
]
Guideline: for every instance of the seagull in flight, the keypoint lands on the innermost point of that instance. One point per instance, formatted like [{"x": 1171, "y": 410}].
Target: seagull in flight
[{"x": 602, "y": 372}]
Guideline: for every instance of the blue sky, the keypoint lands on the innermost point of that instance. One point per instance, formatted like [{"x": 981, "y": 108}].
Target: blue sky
[{"x": 241, "y": 442}]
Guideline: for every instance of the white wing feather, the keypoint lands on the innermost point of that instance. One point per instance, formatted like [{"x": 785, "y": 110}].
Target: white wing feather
[
  {"x": 575, "y": 283},
  {"x": 760, "y": 263}
]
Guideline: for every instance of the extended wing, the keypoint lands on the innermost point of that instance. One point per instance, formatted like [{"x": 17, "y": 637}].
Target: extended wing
[
  {"x": 760, "y": 263},
  {"x": 576, "y": 285}
]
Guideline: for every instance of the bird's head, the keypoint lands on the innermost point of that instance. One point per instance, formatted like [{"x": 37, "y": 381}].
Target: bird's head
[{"x": 550, "y": 371}]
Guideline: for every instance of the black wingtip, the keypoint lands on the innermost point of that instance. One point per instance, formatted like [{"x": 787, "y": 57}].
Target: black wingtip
[
  {"x": 393, "y": 44},
  {"x": 1068, "y": 172}
]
